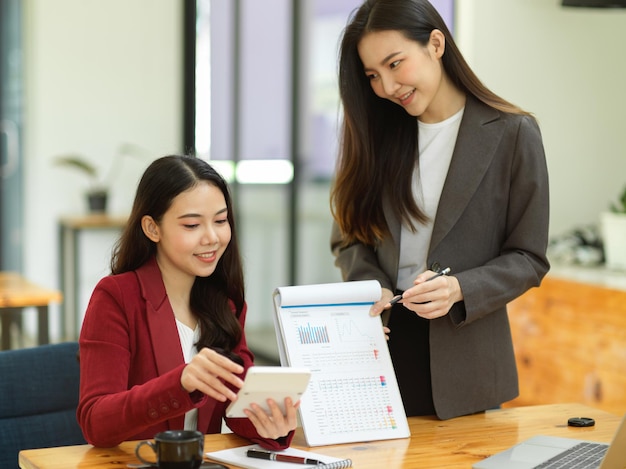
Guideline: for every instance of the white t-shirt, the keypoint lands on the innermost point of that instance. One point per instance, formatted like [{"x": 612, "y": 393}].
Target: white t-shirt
[
  {"x": 188, "y": 339},
  {"x": 436, "y": 145}
]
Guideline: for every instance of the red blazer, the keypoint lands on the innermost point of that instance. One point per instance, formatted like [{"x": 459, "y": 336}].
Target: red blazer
[{"x": 131, "y": 363}]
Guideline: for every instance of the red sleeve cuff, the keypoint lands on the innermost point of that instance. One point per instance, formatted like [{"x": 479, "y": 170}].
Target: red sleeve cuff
[{"x": 277, "y": 444}]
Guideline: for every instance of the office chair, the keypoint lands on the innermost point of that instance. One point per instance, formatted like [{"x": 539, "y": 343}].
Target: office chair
[{"x": 38, "y": 399}]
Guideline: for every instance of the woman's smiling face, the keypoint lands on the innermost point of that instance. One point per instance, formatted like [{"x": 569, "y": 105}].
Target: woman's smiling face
[
  {"x": 194, "y": 232},
  {"x": 403, "y": 71}
]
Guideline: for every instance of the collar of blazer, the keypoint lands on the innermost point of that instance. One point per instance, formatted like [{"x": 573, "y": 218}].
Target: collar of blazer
[
  {"x": 163, "y": 333},
  {"x": 161, "y": 320},
  {"x": 479, "y": 134}
]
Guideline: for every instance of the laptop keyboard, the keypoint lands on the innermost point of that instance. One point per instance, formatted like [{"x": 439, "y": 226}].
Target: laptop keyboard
[{"x": 582, "y": 456}]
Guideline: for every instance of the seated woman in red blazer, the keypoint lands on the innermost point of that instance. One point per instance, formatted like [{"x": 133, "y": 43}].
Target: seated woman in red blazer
[{"x": 162, "y": 344}]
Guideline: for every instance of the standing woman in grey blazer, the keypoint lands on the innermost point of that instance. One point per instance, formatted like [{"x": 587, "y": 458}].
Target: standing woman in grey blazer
[{"x": 436, "y": 171}]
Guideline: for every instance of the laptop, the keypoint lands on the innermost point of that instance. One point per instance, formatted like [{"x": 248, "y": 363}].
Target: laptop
[{"x": 544, "y": 451}]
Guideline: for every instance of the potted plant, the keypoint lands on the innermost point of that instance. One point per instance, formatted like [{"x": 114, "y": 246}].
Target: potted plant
[
  {"x": 97, "y": 192},
  {"x": 613, "y": 224}
]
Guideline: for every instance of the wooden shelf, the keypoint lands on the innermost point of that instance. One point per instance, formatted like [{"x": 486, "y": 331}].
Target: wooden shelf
[{"x": 70, "y": 229}]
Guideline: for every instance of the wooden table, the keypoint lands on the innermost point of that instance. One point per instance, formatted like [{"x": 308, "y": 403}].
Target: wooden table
[
  {"x": 456, "y": 443},
  {"x": 70, "y": 229},
  {"x": 17, "y": 293}
]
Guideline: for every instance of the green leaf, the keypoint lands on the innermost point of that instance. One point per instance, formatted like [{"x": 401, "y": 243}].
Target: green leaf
[
  {"x": 77, "y": 162},
  {"x": 620, "y": 207}
]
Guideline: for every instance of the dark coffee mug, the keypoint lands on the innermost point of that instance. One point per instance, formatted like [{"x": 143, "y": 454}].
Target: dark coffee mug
[{"x": 175, "y": 449}]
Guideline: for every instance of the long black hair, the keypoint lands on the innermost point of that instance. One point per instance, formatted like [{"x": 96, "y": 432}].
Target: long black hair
[
  {"x": 379, "y": 138},
  {"x": 211, "y": 297}
]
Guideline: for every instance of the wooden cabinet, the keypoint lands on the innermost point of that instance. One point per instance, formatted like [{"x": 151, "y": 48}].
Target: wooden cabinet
[{"x": 570, "y": 342}]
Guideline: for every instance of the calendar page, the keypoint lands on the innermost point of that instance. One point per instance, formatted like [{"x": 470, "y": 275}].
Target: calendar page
[{"x": 353, "y": 394}]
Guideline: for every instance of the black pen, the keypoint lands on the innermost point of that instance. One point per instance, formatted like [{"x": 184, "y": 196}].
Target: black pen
[
  {"x": 445, "y": 271},
  {"x": 259, "y": 454}
]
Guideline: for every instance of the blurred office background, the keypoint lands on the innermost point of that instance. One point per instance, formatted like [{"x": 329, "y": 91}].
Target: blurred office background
[{"x": 86, "y": 76}]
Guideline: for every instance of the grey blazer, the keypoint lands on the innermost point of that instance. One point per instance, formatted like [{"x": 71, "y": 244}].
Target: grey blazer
[{"x": 491, "y": 228}]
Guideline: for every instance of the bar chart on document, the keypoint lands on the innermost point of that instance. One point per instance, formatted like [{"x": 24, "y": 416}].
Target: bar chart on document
[{"x": 353, "y": 394}]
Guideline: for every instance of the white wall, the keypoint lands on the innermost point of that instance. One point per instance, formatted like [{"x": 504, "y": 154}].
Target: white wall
[
  {"x": 566, "y": 65},
  {"x": 97, "y": 74}
]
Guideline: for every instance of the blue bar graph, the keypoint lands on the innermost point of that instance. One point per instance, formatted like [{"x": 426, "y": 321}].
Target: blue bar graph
[{"x": 313, "y": 334}]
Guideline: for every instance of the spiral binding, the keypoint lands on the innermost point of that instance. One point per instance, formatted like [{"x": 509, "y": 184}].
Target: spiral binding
[{"x": 336, "y": 465}]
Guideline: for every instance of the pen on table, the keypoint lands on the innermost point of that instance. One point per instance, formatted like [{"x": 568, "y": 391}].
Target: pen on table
[
  {"x": 445, "y": 271},
  {"x": 259, "y": 454}
]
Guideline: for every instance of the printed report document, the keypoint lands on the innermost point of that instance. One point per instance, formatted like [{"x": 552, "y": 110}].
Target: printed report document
[{"x": 353, "y": 394}]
